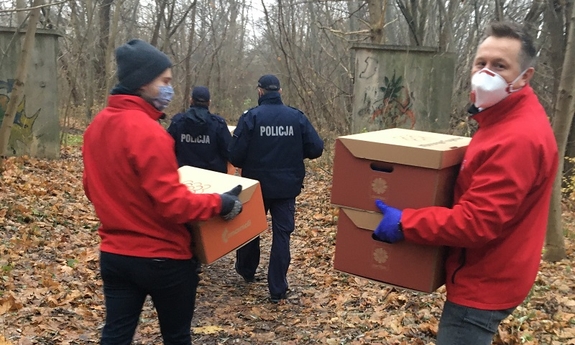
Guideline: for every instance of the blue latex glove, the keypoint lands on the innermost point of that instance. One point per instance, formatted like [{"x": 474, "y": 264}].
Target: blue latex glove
[{"x": 388, "y": 229}]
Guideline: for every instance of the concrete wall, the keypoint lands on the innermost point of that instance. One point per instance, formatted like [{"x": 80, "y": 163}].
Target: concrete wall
[
  {"x": 402, "y": 86},
  {"x": 36, "y": 129}
]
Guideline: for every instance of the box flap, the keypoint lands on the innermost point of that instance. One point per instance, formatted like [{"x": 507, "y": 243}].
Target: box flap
[
  {"x": 366, "y": 220},
  {"x": 408, "y": 147},
  {"x": 206, "y": 181}
]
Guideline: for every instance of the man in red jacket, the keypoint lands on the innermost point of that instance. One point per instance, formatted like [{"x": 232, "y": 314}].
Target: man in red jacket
[
  {"x": 131, "y": 177},
  {"x": 496, "y": 227}
]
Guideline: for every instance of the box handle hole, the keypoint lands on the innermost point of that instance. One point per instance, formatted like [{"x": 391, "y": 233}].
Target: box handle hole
[{"x": 382, "y": 167}]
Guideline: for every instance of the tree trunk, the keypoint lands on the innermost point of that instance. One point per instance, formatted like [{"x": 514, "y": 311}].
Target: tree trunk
[
  {"x": 188, "y": 60},
  {"x": 101, "y": 62},
  {"x": 160, "y": 15},
  {"x": 564, "y": 109},
  {"x": 415, "y": 20},
  {"x": 499, "y": 10},
  {"x": 110, "y": 48},
  {"x": 446, "y": 25},
  {"x": 376, "y": 20},
  {"x": 21, "y": 15},
  {"x": 19, "y": 81},
  {"x": 554, "y": 23}
]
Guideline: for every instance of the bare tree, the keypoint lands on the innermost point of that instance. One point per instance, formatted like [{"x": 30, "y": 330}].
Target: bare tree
[
  {"x": 562, "y": 120},
  {"x": 377, "y": 20},
  {"x": 101, "y": 62}
]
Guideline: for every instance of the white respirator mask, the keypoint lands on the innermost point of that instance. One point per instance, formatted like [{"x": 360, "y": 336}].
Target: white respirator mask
[{"x": 489, "y": 88}]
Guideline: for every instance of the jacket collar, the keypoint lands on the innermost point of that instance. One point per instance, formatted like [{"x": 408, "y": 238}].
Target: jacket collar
[
  {"x": 273, "y": 97},
  {"x": 197, "y": 114},
  {"x": 130, "y": 102},
  {"x": 499, "y": 111}
]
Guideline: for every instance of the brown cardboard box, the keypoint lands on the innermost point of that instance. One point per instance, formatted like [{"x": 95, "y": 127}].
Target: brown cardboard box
[
  {"x": 402, "y": 167},
  {"x": 216, "y": 237},
  {"x": 402, "y": 264}
]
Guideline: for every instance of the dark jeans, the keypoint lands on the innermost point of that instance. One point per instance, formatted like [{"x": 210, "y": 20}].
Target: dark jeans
[
  {"x": 128, "y": 280},
  {"x": 283, "y": 224},
  {"x": 461, "y": 325}
]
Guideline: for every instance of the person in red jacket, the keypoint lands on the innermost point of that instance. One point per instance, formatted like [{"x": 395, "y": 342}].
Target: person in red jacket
[
  {"x": 131, "y": 177},
  {"x": 496, "y": 227}
]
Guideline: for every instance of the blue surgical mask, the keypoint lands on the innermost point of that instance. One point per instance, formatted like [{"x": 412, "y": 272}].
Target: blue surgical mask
[{"x": 165, "y": 94}]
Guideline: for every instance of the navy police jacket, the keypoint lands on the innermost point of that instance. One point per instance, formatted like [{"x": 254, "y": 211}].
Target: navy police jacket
[
  {"x": 270, "y": 144},
  {"x": 202, "y": 139}
]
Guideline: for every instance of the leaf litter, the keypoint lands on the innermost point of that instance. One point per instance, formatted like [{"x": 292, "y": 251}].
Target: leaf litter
[{"x": 51, "y": 291}]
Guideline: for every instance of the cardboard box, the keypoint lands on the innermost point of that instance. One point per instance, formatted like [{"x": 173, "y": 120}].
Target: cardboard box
[
  {"x": 403, "y": 264},
  {"x": 402, "y": 167},
  {"x": 216, "y": 237}
]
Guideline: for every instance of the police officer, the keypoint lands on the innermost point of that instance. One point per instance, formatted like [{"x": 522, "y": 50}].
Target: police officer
[
  {"x": 270, "y": 144},
  {"x": 202, "y": 138}
]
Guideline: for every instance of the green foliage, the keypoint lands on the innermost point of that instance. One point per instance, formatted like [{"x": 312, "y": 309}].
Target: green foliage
[
  {"x": 248, "y": 103},
  {"x": 71, "y": 262},
  {"x": 6, "y": 268},
  {"x": 526, "y": 337},
  {"x": 73, "y": 139}
]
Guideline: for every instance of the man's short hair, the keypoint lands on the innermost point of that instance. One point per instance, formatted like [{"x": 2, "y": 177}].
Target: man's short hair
[{"x": 515, "y": 31}]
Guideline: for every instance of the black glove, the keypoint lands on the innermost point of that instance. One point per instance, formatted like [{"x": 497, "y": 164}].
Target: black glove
[{"x": 231, "y": 204}]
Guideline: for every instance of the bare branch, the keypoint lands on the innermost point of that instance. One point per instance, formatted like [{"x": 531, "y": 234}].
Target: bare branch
[{"x": 33, "y": 7}]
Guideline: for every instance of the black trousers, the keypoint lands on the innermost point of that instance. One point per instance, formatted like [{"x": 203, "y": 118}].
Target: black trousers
[
  {"x": 283, "y": 224},
  {"x": 128, "y": 280}
]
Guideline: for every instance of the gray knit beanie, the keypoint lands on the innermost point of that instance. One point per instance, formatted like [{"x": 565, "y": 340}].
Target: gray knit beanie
[{"x": 139, "y": 63}]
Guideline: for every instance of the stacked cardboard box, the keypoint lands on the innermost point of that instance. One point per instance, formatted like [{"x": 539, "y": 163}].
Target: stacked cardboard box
[
  {"x": 405, "y": 169},
  {"x": 215, "y": 238}
]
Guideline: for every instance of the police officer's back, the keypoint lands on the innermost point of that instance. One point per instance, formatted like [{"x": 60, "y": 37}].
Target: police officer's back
[
  {"x": 201, "y": 138},
  {"x": 271, "y": 142}
]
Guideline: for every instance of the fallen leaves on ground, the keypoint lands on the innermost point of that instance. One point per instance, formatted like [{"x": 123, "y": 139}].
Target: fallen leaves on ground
[{"x": 51, "y": 292}]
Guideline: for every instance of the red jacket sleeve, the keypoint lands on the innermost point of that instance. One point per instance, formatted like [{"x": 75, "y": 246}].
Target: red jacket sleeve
[
  {"x": 488, "y": 196},
  {"x": 157, "y": 167}
]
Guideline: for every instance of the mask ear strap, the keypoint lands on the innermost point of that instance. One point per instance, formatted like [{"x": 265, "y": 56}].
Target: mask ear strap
[{"x": 509, "y": 88}]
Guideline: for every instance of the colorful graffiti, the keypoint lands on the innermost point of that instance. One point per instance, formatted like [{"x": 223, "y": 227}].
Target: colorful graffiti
[
  {"x": 21, "y": 135},
  {"x": 394, "y": 108}
]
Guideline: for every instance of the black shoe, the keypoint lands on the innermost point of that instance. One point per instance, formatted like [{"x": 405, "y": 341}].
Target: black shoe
[
  {"x": 246, "y": 279},
  {"x": 277, "y": 298},
  {"x": 249, "y": 279}
]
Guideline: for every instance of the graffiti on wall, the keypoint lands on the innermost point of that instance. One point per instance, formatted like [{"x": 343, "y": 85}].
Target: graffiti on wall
[
  {"x": 370, "y": 68},
  {"x": 394, "y": 108},
  {"x": 390, "y": 104},
  {"x": 21, "y": 135}
]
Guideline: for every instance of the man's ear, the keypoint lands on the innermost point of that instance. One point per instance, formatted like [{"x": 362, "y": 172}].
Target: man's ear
[{"x": 526, "y": 77}]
